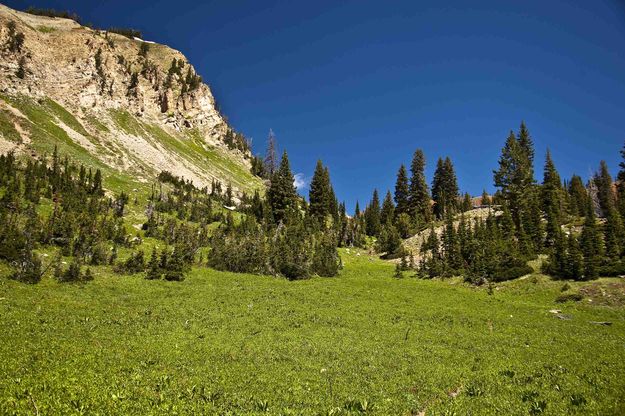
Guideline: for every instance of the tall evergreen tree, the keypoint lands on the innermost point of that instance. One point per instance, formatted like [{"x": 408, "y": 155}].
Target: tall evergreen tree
[
  {"x": 402, "y": 197},
  {"x": 444, "y": 188},
  {"x": 605, "y": 192},
  {"x": 271, "y": 157},
  {"x": 281, "y": 194},
  {"x": 419, "y": 199},
  {"x": 372, "y": 215},
  {"x": 552, "y": 200},
  {"x": 620, "y": 188},
  {"x": 591, "y": 244},
  {"x": 387, "y": 214},
  {"x": 319, "y": 194},
  {"x": 578, "y": 196}
]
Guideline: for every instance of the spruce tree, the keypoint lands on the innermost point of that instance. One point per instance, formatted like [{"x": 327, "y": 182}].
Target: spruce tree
[
  {"x": 281, "y": 194},
  {"x": 438, "y": 189},
  {"x": 605, "y": 193},
  {"x": 419, "y": 195},
  {"x": 486, "y": 200},
  {"x": 574, "y": 259},
  {"x": 552, "y": 200},
  {"x": 319, "y": 194},
  {"x": 387, "y": 213},
  {"x": 620, "y": 189},
  {"x": 271, "y": 156},
  {"x": 372, "y": 215},
  {"x": 402, "y": 191},
  {"x": 613, "y": 235},
  {"x": 578, "y": 196},
  {"x": 590, "y": 244}
]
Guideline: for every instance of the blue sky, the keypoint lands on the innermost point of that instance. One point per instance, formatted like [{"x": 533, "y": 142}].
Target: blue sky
[{"x": 362, "y": 84}]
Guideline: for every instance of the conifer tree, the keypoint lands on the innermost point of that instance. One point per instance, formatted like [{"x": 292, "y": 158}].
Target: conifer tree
[
  {"x": 387, "y": 213},
  {"x": 271, "y": 157},
  {"x": 578, "y": 197},
  {"x": 574, "y": 259},
  {"x": 402, "y": 191},
  {"x": 552, "y": 201},
  {"x": 281, "y": 194},
  {"x": 319, "y": 194},
  {"x": 590, "y": 244},
  {"x": 486, "y": 199},
  {"x": 613, "y": 235},
  {"x": 620, "y": 189},
  {"x": 605, "y": 193},
  {"x": 444, "y": 188},
  {"x": 372, "y": 215},
  {"x": 467, "y": 203},
  {"x": 419, "y": 198}
]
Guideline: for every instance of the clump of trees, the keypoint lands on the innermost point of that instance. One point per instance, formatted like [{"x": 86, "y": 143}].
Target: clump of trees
[{"x": 65, "y": 14}]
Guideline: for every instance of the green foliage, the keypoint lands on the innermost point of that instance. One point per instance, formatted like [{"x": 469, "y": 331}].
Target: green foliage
[
  {"x": 65, "y": 14},
  {"x": 419, "y": 201},
  {"x": 444, "y": 189},
  {"x": 196, "y": 346},
  {"x": 281, "y": 195},
  {"x": 402, "y": 193}
]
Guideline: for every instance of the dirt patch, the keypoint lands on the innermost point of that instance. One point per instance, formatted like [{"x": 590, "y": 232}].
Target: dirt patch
[{"x": 605, "y": 293}]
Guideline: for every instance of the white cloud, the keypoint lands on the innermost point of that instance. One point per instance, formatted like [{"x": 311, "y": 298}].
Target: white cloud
[{"x": 299, "y": 181}]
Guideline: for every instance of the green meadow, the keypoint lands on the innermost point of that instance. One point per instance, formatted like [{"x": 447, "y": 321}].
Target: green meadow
[{"x": 362, "y": 343}]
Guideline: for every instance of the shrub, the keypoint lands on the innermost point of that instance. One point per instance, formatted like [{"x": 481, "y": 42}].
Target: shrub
[
  {"x": 72, "y": 274},
  {"x": 133, "y": 264},
  {"x": 129, "y": 33},
  {"x": 569, "y": 297}
]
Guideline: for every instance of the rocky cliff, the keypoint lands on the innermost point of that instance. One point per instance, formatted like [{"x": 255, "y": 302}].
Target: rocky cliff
[{"x": 129, "y": 106}]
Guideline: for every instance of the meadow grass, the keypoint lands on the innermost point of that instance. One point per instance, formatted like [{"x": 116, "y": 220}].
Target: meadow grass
[{"x": 364, "y": 342}]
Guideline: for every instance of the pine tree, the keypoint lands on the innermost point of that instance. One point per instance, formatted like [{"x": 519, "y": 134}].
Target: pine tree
[
  {"x": 613, "y": 235},
  {"x": 486, "y": 199},
  {"x": 444, "y": 188},
  {"x": 552, "y": 200},
  {"x": 419, "y": 198},
  {"x": 438, "y": 189},
  {"x": 372, "y": 215},
  {"x": 467, "y": 203},
  {"x": 590, "y": 244},
  {"x": 578, "y": 197},
  {"x": 281, "y": 194},
  {"x": 319, "y": 194},
  {"x": 402, "y": 191},
  {"x": 387, "y": 213},
  {"x": 605, "y": 193},
  {"x": 271, "y": 158},
  {"x": 621, "y": 184},
  {"x": 574, "y": 259},
  {"x": 154, "y": 270}
]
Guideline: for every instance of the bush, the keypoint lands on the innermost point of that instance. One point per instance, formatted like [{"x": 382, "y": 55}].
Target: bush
[
  {"x": 28, "y": 269},
  {"x": 133, "y": 264},
  {"x": 513, "y": 272},
  {"x": 614, "y": 269},
  {"x": 569, "y": 297},
  {"x": 72, "y": 274},
  {"x": 129, "y": 33},
  {"x": 65, "y": 14}
]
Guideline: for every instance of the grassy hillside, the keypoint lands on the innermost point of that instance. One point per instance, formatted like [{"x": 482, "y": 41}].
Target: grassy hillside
[
  {"x": 221, "y": 343},
  {"x": 98, "y": 147}
]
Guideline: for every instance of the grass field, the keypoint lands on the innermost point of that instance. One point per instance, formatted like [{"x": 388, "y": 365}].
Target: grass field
[{"x": 222, "y": 343}]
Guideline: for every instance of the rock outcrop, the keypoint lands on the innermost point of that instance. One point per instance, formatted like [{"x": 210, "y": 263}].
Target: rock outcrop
[{"x": 136, "y": 106}]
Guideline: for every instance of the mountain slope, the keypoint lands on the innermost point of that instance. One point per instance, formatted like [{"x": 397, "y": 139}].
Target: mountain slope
[{"x": 130, "y": 107}]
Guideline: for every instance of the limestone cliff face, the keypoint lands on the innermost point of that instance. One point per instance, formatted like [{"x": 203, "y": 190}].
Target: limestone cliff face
[{"x": 139, "y": 106}]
